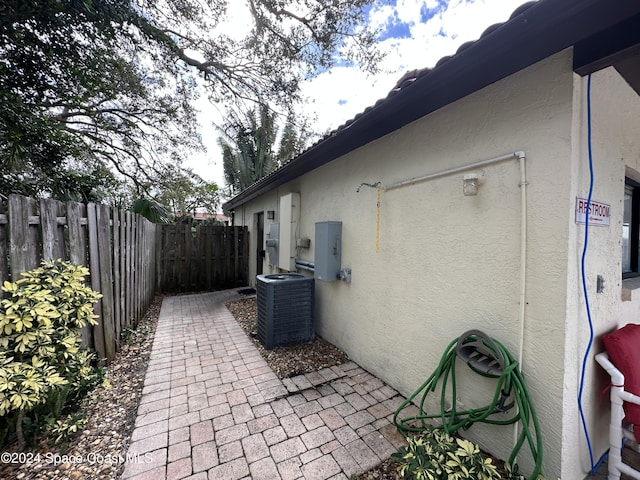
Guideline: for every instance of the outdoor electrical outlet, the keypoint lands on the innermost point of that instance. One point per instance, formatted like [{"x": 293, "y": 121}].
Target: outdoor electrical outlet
[
  {"x": 345, "y": 275},
  {"x": 599, "y": 284}
]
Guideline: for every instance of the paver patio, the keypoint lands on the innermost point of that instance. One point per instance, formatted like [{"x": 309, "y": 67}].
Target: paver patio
[{"x": 212, "y": 408}]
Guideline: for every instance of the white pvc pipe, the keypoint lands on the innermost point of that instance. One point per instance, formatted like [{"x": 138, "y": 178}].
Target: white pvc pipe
[
  {"x": 523, "y": 267},
  {"x": 520, "y": 155},
  {"x": 523, "y": 251},
  {"x": 616, "y": 431},
  {"x": 482, "y": 163}
]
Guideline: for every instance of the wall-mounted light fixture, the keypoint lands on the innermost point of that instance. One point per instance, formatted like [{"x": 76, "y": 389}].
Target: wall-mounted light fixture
[
  {"x": 271, "y": 214},
  {"x": 471, "y": 182}
]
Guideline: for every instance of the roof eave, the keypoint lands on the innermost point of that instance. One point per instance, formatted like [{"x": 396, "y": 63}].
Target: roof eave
[{"x": 546, "y": 28}]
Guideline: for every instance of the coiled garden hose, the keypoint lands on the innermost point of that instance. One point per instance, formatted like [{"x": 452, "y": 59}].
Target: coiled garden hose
[{"x": 511, "y": 391}]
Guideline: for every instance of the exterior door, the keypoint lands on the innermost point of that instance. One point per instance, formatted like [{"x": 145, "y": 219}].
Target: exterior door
[{"x": 260, "y": 252}]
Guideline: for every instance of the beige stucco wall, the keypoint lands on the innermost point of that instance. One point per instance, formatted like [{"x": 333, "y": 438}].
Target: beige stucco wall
[
  {"x": 449, "y": 263},
  {"x": 615, "y": 132}
]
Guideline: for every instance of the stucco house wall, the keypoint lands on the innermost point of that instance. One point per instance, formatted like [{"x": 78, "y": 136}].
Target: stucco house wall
[
  {"x": 448, "y": 263},
  {"x": 615, "y": 130}
]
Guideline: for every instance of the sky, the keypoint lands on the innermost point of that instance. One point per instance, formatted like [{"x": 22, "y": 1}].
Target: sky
[{"x": 415, "y": 35}]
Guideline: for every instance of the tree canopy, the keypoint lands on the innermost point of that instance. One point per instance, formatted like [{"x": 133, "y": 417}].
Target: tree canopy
[
  {"x": 103, "y": 91},
  {"x": 248, "y": 144}
]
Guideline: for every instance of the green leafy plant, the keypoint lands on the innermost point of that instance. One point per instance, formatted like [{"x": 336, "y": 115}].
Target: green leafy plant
[
  {"x": 42, "y": 360},
  {"x": 436, "y": 455},
  {"x": 63, "y": 430}
]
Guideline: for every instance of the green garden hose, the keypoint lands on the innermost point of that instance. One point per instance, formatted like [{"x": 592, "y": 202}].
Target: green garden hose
[{"x": 511, "y": 391}]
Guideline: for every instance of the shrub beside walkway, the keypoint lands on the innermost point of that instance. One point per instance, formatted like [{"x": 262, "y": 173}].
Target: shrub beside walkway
[{"x": 213, "y": 409}]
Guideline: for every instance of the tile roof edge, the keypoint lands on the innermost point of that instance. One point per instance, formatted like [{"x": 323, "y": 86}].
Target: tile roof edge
[{"x": 407, "y": 80}]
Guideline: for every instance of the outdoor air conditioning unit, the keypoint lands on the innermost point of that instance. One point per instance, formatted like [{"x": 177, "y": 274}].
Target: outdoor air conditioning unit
[{"x": 285, "y": 309}]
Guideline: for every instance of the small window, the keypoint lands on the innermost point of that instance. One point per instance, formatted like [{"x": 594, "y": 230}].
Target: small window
[{"x": 631, "y": 229}]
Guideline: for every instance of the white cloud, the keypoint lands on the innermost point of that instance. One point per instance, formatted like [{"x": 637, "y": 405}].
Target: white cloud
[
  {"x": 341, "y": 94},
  {"x": 440, "y": 36}
]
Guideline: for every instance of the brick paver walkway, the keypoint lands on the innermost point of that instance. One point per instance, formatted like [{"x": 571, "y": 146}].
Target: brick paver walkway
[{"x": 213, "y": 409}]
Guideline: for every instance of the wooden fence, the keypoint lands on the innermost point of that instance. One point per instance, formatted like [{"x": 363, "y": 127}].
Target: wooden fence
[
  {"x": 201, "y": 258},
  {"x": 119, "y": 247}
]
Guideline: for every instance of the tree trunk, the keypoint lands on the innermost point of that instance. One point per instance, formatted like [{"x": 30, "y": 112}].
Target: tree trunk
[{"x": 19, "y": 432}]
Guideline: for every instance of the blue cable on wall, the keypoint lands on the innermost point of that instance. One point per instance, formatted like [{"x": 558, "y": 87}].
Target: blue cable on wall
[{"x": 595, "y": 466}]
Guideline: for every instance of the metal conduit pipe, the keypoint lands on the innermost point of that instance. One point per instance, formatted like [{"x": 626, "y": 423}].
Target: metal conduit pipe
[{"x": 305, "y": 265}]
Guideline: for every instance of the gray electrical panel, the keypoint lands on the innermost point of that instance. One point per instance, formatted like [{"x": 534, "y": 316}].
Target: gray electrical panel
[
  {"x": 328, "y": 251},
  {"x": 272, "y": 243}
]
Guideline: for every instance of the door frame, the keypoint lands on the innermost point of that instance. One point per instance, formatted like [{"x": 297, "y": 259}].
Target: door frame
[{"x": 260, "y": 251}]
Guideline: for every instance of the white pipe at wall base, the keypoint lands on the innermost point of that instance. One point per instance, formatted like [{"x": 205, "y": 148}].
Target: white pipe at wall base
[
  {"x": 523, "y": 251},
  {"x": 618, "y": 396},
  {"x": 523, "y": 266},
  {"x": 520, "y": 155}
]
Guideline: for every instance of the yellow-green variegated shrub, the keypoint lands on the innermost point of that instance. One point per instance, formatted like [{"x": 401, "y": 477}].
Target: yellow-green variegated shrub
[
  {"x": 436, "y": 455},
  {"x": 42, "y": 360}
]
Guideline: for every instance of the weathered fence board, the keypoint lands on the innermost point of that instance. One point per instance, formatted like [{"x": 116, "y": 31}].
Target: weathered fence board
[
  {"x": 78, "y": 255},
  {"x": 92, "y": 235},
  {"x": 4, "y": 267},
  {"x": 76, "y": 213},
  {"x": 129, "y": 257},
  {"x": 22, "y": 245},
  {"x": 123, "y": 271},
  {"x": 201, "y": 258},
  {"x": 94, "y": 268},
  {"x": 106, "y": 280},
  {"x": 52, "y": 231},
  {"x": 115, "y": 214}
]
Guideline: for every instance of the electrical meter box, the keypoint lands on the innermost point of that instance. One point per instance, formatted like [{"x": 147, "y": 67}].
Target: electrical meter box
[
  {"x": 272, "y": 243},
  {"x": 328, "y": 251}
]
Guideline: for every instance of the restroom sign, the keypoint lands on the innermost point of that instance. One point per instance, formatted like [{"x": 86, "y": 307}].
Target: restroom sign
[{"x": 599, "y": 213}]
